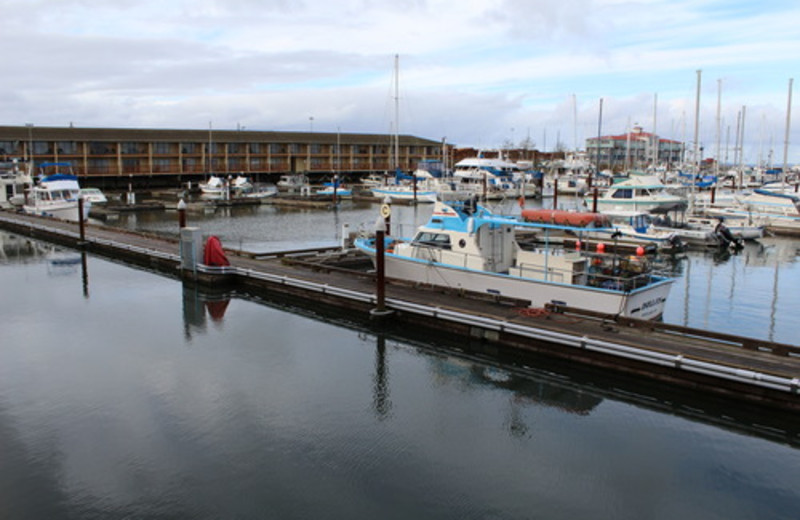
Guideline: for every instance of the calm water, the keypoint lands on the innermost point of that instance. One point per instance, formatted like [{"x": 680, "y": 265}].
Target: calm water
[{"x": 125, "y": 395}]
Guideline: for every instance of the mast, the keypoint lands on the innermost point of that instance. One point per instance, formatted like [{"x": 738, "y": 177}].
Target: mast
[
  {"x": 741, "y": 146},
  {"x": 599, "y": 134},
  {"x": 786, "y": 135},
  {"x": 210, "y": 160},
  {"x": 396, "y": 111},
  {"x": 654, "y": 141},
  {"x": 719, "y": 122},
  {"x": 696, "y": 140}
]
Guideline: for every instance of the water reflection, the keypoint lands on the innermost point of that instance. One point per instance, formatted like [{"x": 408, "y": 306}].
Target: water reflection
[
  {"x": 199, "y": 306},
  {"x": 381, "y": 400}
]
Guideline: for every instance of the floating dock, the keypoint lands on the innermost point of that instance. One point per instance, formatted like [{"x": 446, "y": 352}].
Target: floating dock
[{"x": 746, "y": 370}]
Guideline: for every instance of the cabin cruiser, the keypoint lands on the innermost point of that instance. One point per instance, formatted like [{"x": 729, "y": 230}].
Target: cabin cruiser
[
  {"x": 13, "y": 181},
  {"x": 465, "y": 246},
  {"x": 56, "y": 195},
  {"x": 637, "y": 193},
  {"x": 493, "y": 178}
]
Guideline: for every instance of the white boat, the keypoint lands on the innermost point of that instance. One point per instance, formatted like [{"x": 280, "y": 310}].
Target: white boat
[
  {"x": 636, "y": 193},
  {"x": 213, "y": 187},
  {"x": 13, "y": 181},
  {"x": 293, "y": 182},
  {"x": 637, "y": 227},
  {"x": 56, "y": 195},
  {"x": 777, "y": 212},
  {"x": 218, "y": 188},
  {"x": 422, "y": 188},
  {"x": 404, "y": 192},
  {"x": 492, "y": 178},
  {"x": 334, "y": 188},
  {"x": 464, "y": 246},
  {"x": 94, "y": 195},
  {"x": 258, "y": 191}
]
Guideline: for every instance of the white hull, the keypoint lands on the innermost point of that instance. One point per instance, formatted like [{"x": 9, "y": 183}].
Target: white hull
[
  {"x": 403, "y": 193},
  {"x": 643, "y": 303},
  {"x": 63, "y": 211}
]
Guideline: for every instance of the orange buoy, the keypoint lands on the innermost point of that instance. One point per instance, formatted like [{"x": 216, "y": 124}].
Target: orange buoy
[
  {"x": 601, "y": 247},
  {"x": 640, "y": 251}
]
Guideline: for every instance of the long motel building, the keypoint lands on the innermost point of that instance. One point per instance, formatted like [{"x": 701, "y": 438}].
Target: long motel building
[{"x": 114, "y": 156}]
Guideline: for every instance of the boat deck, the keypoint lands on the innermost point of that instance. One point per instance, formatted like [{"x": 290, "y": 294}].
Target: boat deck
[{"x": 755, "y": 371}]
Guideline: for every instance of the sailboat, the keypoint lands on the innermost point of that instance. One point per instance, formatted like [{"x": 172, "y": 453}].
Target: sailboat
[{"x": 405, "y": 188}]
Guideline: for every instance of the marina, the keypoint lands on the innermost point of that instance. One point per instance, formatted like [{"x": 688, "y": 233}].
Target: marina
[{"x": 740, "y": 368}]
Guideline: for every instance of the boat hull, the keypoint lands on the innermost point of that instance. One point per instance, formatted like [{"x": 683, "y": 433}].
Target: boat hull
[
  {"x": 63, "y": 211},
  {"x": 643, "y": 303},
  {"x": 395, "y": 194}
]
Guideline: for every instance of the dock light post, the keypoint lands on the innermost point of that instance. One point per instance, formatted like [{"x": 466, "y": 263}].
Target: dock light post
[
  {"x": 594, "y": 199},
  {"x": 380, "y": 277},
  {"x": 181, "y": 214}
]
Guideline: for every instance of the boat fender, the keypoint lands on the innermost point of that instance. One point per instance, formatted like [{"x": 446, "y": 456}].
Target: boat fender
[{"x": 470, "y": 225}]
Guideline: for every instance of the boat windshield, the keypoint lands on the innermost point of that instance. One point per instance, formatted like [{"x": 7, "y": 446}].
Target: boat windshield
[{"x": 439, "y": 240}]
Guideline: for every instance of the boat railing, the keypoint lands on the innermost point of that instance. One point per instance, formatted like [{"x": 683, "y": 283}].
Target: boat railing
[{"x": 618, "y": 273}]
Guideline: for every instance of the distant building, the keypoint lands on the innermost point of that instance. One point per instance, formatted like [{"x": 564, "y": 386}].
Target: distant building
[
  {"x": 634, "y": 150},
  {"x": 114, "y": 155}
]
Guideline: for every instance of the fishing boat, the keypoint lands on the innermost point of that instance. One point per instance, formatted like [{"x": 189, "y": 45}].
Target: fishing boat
[
  {"x": 465, "y": 246},
  {"x": 56, "y": 195}
]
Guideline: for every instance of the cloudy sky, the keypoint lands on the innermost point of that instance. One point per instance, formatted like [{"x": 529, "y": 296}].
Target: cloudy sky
[{"x": 479, "y": 73}]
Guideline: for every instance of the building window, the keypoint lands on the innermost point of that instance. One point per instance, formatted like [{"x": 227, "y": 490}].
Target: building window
[
  {"x": 161, "y": 166},
  {"x": 162, "y": 148},
  {"x": 99, "y": 166},
  {"x": 7, "y": 147},
  {"x": 67, "y": 147},
  {"x": 130, "y": 148},
  {"x": 255, "y": 147},
  {"x": 277, "y": 148},
  {"x": 189, "y": 148},
  {"x": 100, "y": 148}
]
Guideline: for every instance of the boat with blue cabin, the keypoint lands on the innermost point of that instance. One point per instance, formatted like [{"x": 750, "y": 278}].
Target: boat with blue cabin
[
  {"x": 465, "y": 246},
  {"x": 56, "y": 194}
]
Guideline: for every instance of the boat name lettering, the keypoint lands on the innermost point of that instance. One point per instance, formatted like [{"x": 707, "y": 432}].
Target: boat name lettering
[{"x": 652, "y": 303}]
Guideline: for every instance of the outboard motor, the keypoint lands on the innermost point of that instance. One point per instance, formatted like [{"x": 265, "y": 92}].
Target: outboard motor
[{"x": 725, "y": 236}]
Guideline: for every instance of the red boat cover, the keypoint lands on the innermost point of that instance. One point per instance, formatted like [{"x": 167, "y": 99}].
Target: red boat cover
[
  {"x": 214, "y": 254},
  {"x": 562, "y": 217}
]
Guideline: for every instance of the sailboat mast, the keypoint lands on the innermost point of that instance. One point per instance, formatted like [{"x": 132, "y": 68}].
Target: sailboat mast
[
  {"x": 786, "y": 135},
  {"x": 696, "y": 142},
  {"x": 397, "y": 111},
  {"x": 697, "y": 127},
  {"x": 719, "y": 129}
]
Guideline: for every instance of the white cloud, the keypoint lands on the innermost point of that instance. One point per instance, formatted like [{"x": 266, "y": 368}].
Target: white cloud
[{"x": 471, "y": 70}]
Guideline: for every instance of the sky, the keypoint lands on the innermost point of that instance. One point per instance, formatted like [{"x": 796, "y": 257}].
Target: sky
[{"x": 477, "y": 73}]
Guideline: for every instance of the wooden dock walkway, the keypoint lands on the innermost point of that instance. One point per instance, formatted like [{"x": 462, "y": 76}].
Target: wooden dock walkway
[{"x": 757, "y": 372}]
